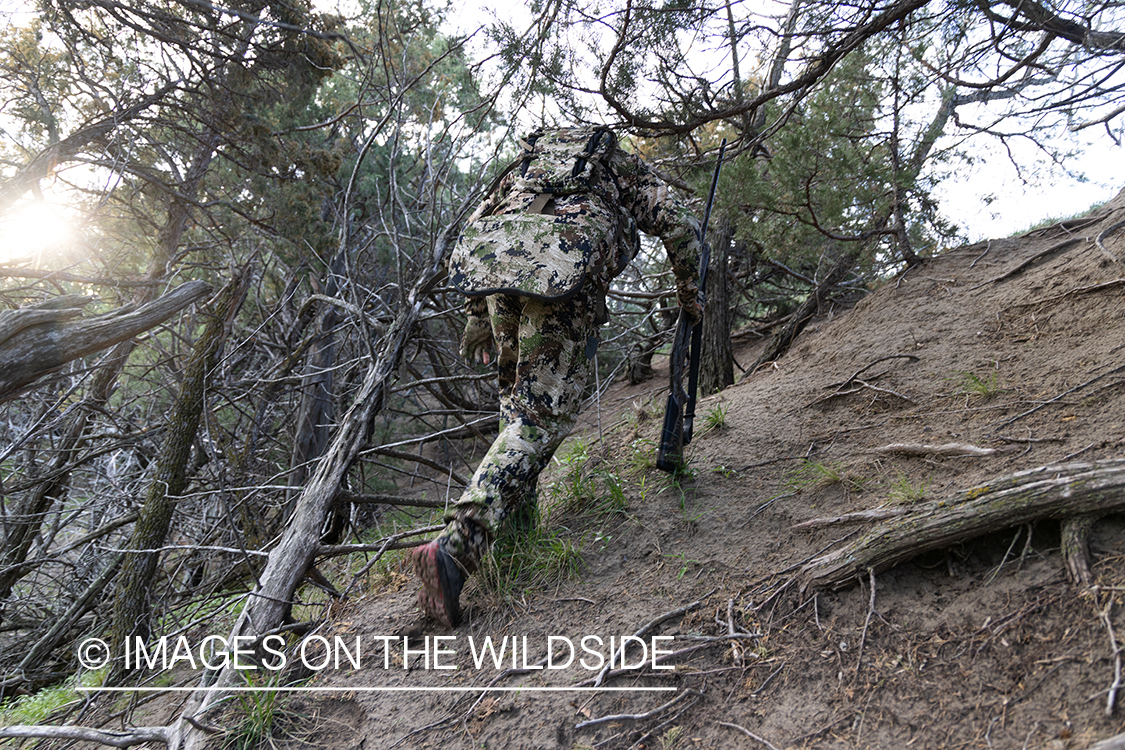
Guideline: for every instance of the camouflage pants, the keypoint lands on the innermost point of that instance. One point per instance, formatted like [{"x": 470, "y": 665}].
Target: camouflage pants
[{"x": 544, "y": 361}]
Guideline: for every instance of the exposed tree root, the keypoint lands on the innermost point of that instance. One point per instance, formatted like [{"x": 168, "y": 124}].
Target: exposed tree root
[{"x": 1061, "y": 491}]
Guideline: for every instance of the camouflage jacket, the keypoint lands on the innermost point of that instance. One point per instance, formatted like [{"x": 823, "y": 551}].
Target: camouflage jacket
[{"x": 643, "y": 196}]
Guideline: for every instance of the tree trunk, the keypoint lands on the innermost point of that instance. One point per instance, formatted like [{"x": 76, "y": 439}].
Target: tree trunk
[
  {"x": 808, "y": 309},
  {"x": 318, "y": 407},
  {"x": 717, "y": 365},
  {"x": 1076, "y": 548},
  {"x": 131, "y": 602},
  {"x": 1060, "y": 491}
]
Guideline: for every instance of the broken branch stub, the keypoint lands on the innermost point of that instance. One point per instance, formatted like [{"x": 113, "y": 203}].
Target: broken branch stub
[{"x": 1058, "y": 491}]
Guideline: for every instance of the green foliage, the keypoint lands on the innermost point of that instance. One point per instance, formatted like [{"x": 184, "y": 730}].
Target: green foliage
[
  {"x": 683, "y": 561},
  {"x": 533, "y": 558},
  {"x": 581, "y": 488},
  {"x": 40, "y": 707},
  {"x": 979, "y": 385},
  {"x": 671, "y": 739},
  {"x": 716, "y": 419}
]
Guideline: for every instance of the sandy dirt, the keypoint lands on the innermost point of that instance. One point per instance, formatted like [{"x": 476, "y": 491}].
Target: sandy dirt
[{"x": 984, "y": 645}]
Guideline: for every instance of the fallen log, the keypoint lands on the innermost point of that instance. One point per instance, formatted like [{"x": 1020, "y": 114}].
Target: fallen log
[
  {"x": 122, "y": 738},
  {"x": 1058, "y": 491},
  {"x": 37, "y": 340}
]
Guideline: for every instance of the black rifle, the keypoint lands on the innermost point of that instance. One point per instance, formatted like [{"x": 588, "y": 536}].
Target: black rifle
[{"x": 679, "y": 414}]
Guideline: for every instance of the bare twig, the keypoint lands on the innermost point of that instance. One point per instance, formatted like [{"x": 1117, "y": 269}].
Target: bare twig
[
  {"x": 868, "y": 366},
  {"x": 638, "y": 717},
  {"x": 1089, "y": 382},
  {"x": 645, "y": 629},
  {"x": 750, "y": 734},
  {"x": 736, "y": 652},
  {"x": 766, "y": 682},
  {"x": 640, "y": 743},
  {"x": 1101, "y": 237},
  {"x": 1111, "y": 698},
  {"x": 866, "y": 622},
  {"x": 1077, "y": 290},
  {"x": 388, "y": 544},
  {"x": 410, "y": 502},
  {"x": 1030, "y": 261}
]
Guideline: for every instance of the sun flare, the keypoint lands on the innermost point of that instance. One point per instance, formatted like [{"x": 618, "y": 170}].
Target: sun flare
[{"x": 35, "y": 233}]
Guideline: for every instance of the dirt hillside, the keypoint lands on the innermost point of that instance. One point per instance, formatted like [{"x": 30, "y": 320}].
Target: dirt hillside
[{"x": 1010, "y": 350}]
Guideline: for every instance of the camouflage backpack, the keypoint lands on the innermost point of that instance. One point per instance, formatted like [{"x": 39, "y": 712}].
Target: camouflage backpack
[{"x": 534, "y": 253}]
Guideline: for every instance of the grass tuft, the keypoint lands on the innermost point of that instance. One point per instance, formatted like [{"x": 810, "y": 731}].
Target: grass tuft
[
  {"x": 816, "y": 474},
  {"x": 905, "y": 492}
]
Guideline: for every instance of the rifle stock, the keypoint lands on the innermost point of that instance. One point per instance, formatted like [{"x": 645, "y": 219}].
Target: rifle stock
[{"x": 679, "y": 411}]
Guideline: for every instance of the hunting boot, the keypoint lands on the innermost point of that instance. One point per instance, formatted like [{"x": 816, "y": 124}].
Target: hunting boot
[{"x": 443, "y": 564}]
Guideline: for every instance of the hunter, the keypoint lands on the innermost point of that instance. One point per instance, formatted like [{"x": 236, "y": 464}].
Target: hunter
[{"x": 535, "y": 262}]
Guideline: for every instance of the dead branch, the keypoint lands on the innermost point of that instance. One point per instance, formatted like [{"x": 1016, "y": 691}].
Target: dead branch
[
  {"x": 37, "y": 340},
  {"x": 638, "y": 717},
  {"x": 1100, "y": 239},
  {"x": 335, "y": 550},
  {"x": 1077, "y": 290},
  {"x": 750, "y": 734},
  {"x": 1065, "y": 393},
  {"x": 643, "y": 739},
  {"x": 1030, "y": 261},
  {"x": 127, "y": 738},
  {"x": 89, "y": 599},
  {"x": 871, "y": 364},
  {"x": 1116, "y": 742},
  {"x": 410, "y": 502},
  {"x": 859, "y": 386},
  {"x": 269, "y": 603},
  {"x": 1115, "y": 649},
  {"x": 947, "y": 449},
  {"x": 1054, "y": 491},
  {"x": 645, "y": 629},
  {"x": 736, "y": 652},
  {"x": 404, "y": 456},
  {"x": 866, "y": 622}
]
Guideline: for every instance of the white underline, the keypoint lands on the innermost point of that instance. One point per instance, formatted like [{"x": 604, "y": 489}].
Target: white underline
[{"x": 388, "y": 689}]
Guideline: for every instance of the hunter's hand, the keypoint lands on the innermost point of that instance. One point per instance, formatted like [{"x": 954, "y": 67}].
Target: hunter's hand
[
  {"x": 693, "y": 307},
  {"x": 477, "y": 342}
]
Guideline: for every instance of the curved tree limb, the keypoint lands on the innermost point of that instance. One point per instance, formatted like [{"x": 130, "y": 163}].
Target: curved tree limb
[{"x": 35, "y": 341}]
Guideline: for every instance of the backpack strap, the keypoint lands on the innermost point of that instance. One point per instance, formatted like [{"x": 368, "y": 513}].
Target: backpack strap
[
  {"x": 540, "y": 203},
  {"x": 591, "y": 147},
  {"x": 528, "y": 145}
]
